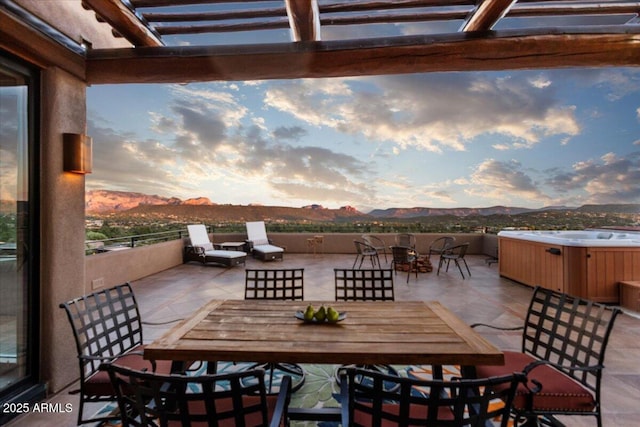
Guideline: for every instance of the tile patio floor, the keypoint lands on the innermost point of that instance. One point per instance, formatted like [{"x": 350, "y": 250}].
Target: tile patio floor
[{"x": 484, "y": 297}]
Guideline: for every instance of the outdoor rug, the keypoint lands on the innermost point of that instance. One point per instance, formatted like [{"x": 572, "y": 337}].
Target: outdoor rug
[{"x": 320, "y": 389}]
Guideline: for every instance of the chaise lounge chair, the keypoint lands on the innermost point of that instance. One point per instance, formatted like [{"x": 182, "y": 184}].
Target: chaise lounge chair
[
  {"x": 260, "y": 245},
  {"x": 201, "y": 249}
]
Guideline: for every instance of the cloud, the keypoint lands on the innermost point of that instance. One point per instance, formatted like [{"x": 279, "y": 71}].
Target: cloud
[
  {"x": 291, "y": 132},
  {"x": 610, "y": 179},
  {"x": 307, "y": 172},
  {"x": 616, "y": 83},
  {"x": 493, "y": 180},
  {"x": 433, "y": 112},
  {"x": 198, "y": 146},
  {"x": 276, "y": 141},
  {"x": 122, "y": 162}
]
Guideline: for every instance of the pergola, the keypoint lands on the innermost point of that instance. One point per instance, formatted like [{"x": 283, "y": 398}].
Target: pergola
[
  {"x": 59, "y": 48},
  {"x": 446, "y": 35}
]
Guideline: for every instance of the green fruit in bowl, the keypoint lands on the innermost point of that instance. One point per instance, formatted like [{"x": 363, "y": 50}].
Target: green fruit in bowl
[
  {"x": 321, "y": 314},
  {"x": 332, "y": 315},
  {"x": 309, "y": 313}
]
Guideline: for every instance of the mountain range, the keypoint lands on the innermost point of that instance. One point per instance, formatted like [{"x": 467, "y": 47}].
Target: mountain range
[{"x": 106, "y": 201}]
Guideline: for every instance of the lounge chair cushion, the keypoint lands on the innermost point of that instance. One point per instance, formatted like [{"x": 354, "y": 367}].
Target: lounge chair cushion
[
  {"x": 224, "y": 254},
  {"x": 267, "y": 249},
  {"x": 558, "y": 393}
]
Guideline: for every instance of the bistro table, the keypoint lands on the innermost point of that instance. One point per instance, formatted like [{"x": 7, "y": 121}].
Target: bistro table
[{"x": 400, "y": 333}]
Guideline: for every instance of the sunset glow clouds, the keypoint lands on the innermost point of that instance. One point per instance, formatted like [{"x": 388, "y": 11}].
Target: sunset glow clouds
[{"x": 528, "y": 138}]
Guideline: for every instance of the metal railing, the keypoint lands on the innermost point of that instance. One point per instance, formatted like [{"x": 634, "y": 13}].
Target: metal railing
[{"x": 128, "y": 242}]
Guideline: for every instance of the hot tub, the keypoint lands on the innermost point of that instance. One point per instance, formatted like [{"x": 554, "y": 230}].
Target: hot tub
[
  {"x": 581, "y": 238},
  {"x": 585, "y": 263}
]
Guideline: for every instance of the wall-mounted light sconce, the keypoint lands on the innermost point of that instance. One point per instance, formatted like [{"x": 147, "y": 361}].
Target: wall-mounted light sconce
[{"x": 78, "y": 153}]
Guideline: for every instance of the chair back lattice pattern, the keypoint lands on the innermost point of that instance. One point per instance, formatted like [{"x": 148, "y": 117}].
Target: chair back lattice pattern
[
  {"x": 364, "y": 285},
  {"x": 376, "y": 399},
  {"x": 406, "y": 239},
  {"x": 274, "y": 284},
  {"x": 568, "y": 331},
  {"x": 440, "y": 245},
  {"x": 106, "y": 323},
  {"x": 148, "y": 399}
]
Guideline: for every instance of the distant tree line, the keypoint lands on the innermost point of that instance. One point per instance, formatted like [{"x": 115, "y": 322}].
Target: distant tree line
[{"x": 546, "y": 220}]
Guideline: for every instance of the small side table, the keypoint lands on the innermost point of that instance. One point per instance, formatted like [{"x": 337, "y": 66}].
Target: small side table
[
  {"x": 630, "y": 295},
  {"x": 314, "y": 242},
  {"x": 231, "y": 246}
]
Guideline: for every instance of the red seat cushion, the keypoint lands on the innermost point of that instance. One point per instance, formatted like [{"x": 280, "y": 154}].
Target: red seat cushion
[
  {"x": 416, "y": 411},
  {"x": 559, "y": 392},
  {"x": 225, "y": 405},
  {"x": 99, "y": 383}
]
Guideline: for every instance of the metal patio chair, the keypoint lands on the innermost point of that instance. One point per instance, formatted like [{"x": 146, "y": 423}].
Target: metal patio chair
[
  {"x": 283, "y": 285},
  {"x": 364, "y": 285},
  {"x": 363, "y": 251},
  {"x": 404, "y": 257},
  {"x": 564, "y": 340},
  {"x": 455, "y": 254},
  {"x": 376, "y": 243},
  {"x": 407, "y": 240},
  {"x": 107, "y": 328},
  {"x": 370, "y": 398},
  {"x": 232, "y": 399},
  {"x": 440, "y": 245}
]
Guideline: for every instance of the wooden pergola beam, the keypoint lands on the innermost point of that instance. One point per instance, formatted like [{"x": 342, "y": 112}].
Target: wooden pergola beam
[
  {"x": 304, "y": 19},
  {"x": 485, "y": 16},
  {"x": 124, "y": 22},
  {"x": 24, "y": 41},
  {"x": 507, "y": 50},
  {"x": 164, "y": 3},
  {"x": 522, "y": 10}
]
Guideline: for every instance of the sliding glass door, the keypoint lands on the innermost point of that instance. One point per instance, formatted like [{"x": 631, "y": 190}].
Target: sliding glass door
[{"x": 18, "y": 232}]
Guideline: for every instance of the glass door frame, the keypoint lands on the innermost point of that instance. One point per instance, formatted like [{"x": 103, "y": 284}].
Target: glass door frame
[{"x": 29, "y": 388}]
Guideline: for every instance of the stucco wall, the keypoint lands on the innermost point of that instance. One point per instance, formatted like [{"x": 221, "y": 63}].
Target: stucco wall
[
  {"x": 62, "y": 225},
  {"x": 117, "y": 267},
  {"x": 340, "y": 243},
  {"x": 75, "y": 21}
]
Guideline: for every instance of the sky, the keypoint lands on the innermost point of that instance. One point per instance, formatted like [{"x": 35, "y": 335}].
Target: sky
[
  {"x": 443, "y": 140},
  {"x": 526, "y": 138}
]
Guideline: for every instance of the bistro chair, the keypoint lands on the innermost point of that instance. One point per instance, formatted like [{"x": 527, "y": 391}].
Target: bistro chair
[
  {"x": 455, "y": 254},
  {"x": 364, "y": 285},
  {"x": 232, "y": 399},
  {"x": 563, "y": 346},
  {"x": 363, "y": 251},
  {"x": 368, "y": 400},
  {"x": 407, "y": 240},
  {"x": 107, "y": 328},
  {"x": 282, "y": 285},
  {"x": 376, "y": 243},
  {"x": 406, "y": 258},
  {"x": 440, "y": 245}
]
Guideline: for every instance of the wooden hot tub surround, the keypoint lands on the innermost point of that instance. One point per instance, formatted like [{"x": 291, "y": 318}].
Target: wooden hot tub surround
[{"x": 586, "y": 268}]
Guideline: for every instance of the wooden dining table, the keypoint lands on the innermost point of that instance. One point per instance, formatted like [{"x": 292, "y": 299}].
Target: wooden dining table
[{"x": 401, "y": 332}]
